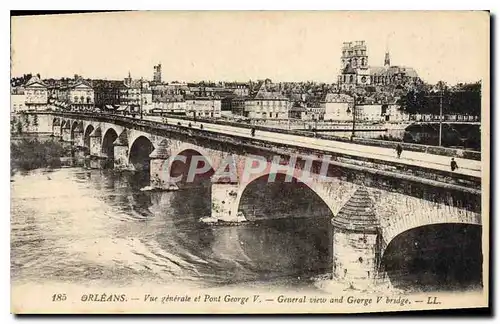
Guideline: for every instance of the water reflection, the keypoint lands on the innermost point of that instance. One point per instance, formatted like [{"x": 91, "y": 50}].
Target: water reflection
[
  {"x": 99, "y": 224},
  {"x": 91, "y": 224}
]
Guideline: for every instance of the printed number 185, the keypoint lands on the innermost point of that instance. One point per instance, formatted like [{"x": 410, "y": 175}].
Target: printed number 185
[{"x": 58, "y": 297}]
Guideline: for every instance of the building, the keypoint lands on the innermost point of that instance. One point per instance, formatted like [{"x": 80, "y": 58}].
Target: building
[
  {"x": 316, "y": 111},
  {"x": 355, "y": 71},
  {"x": 238, "y": 88},
  {"x": 36, "y": 94},
  {"x": 17, "y": 100},
  {"x": 371, "y": 113},
  {"x": 396, "y": 114},
  {"x": 107, "y": 93},
  {"x": 267, "y": 105},
  {"x": 338, "y": 107},
  {"x": 147, "y": 97},
  {"x": 80, "y": 96},
  {"x": 157, "y": 73},
  {"x": 203, "y": 107},
  {"x": 170, "y": 105},
  {"x": 130, "y": 94},
  {"x": 237, "y": 106},
  {"x": 298, "y": 111}
]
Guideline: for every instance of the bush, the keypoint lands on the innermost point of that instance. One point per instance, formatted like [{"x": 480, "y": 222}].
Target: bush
[{"x": 29, "y": 154}]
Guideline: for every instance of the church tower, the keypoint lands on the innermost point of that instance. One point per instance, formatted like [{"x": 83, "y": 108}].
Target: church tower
[
  {"x": 387, "y": 60},
  {"x": 354, "y": 54},
  {"x": 354, "y": 65}
]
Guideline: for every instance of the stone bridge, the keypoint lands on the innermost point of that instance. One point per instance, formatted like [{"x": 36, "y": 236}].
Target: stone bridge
[{"x": 394, "y": 198}]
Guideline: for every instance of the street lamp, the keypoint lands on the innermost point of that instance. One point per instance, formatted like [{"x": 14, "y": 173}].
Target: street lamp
[
  {"x": 353, "y": 117},
  {"x": 140, "y": 102},
  {"x": 440, "y": 96},
  {"x": 440, "y": 115}
]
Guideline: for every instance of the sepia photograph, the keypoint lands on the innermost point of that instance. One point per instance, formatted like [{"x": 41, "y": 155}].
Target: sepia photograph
[{"x": 249, "y": 162}]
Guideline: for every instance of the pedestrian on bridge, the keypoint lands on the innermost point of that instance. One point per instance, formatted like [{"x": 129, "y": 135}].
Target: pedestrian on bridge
[
  {"x": 453, "y": 164},
  {"x": 399, "y": 150}
]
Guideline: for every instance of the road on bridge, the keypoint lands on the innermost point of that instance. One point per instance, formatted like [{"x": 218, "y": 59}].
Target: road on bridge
[{"x": 432, "y": 161}]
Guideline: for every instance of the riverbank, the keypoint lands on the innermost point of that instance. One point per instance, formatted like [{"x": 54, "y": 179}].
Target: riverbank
[{"x": 29, "y": 153}]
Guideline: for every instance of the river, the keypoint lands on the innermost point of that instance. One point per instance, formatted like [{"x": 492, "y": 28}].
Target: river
[
  {"x": 79, "y": 226},
  {"x": 75, "y": 225}
]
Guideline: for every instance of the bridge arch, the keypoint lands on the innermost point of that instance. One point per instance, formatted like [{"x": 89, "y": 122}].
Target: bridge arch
[
  {"x": 409, "y": 224},
  {"x": 133, "y": 135},
  {"x": 298, "y": 224},
  {"x": 56, "y": 122},
  {"x": 416, "y": 213},
  {"x": 139, "y": 152},
  {"x": 313, "y": 191},
  {"x": 107, "y": 148},
  {"x": 75, "y": 127},
  {"x": 177, "y": 148},
  {"x": 437, "y": 255},
  {"x": 86, "y": 135},
  {"x": 63, "y": 123},
  {"x": 178, "y": 167}
]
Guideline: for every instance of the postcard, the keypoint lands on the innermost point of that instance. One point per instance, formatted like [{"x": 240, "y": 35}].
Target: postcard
[{"x": 249, "y": 162}]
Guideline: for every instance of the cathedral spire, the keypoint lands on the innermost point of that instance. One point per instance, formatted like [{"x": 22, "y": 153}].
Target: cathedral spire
[{"x": 387, "y": 60}]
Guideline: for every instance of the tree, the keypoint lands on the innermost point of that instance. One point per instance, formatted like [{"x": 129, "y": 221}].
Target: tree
[
  {"x": 27, "y": 120},
  {"x": 13, "y": 122},
  {"x": 19, "y": 127}
]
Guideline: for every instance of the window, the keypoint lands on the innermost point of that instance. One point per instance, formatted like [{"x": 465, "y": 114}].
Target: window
[{"x": 363, "y": 79}]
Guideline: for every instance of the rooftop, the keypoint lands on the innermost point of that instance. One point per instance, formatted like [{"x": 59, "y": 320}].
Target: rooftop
[{"x": 35, "y": 80}]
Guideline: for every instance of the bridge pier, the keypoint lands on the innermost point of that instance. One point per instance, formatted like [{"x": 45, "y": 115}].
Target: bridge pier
[
  {"x": 97, "y": 162},
  {"x": 356, "y": 242},
  {"x": 66, "y": 132},
  {"x": 120, "y": 153},
  {"x": 224, "y": 201},
  {"x": 79, "y": 154},
  {"x": 79, "y": 150},
  {"x": 56, "y": 131},
  {"x": 78, "y": 138},
  {"x": 96, "y": 158},
  {"x": 121, "y": 157},
  {"x": 225, "y": 190},
  {"x": 159, "y": 173}
]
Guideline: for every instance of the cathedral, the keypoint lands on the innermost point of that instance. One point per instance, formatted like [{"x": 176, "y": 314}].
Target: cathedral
[{"x": 355, "y": 71}]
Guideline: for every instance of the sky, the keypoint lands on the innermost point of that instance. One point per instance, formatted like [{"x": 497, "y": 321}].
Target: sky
[{"x": 239, "y": 46}]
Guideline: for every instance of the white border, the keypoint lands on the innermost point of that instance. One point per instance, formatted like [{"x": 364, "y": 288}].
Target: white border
[{"x": 186, "y": 5}]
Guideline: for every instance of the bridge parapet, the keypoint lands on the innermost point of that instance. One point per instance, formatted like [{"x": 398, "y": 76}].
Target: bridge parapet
[
  {"x": 243, "y": 145},
  {"x": 446, "y": 151}
]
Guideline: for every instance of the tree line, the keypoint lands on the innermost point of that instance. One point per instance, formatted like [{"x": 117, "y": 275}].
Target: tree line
[{"x": 463, "y": 99}]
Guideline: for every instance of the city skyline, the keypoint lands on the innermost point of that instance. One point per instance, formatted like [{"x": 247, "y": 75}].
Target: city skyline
[{"x": 242, "y": 46}]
